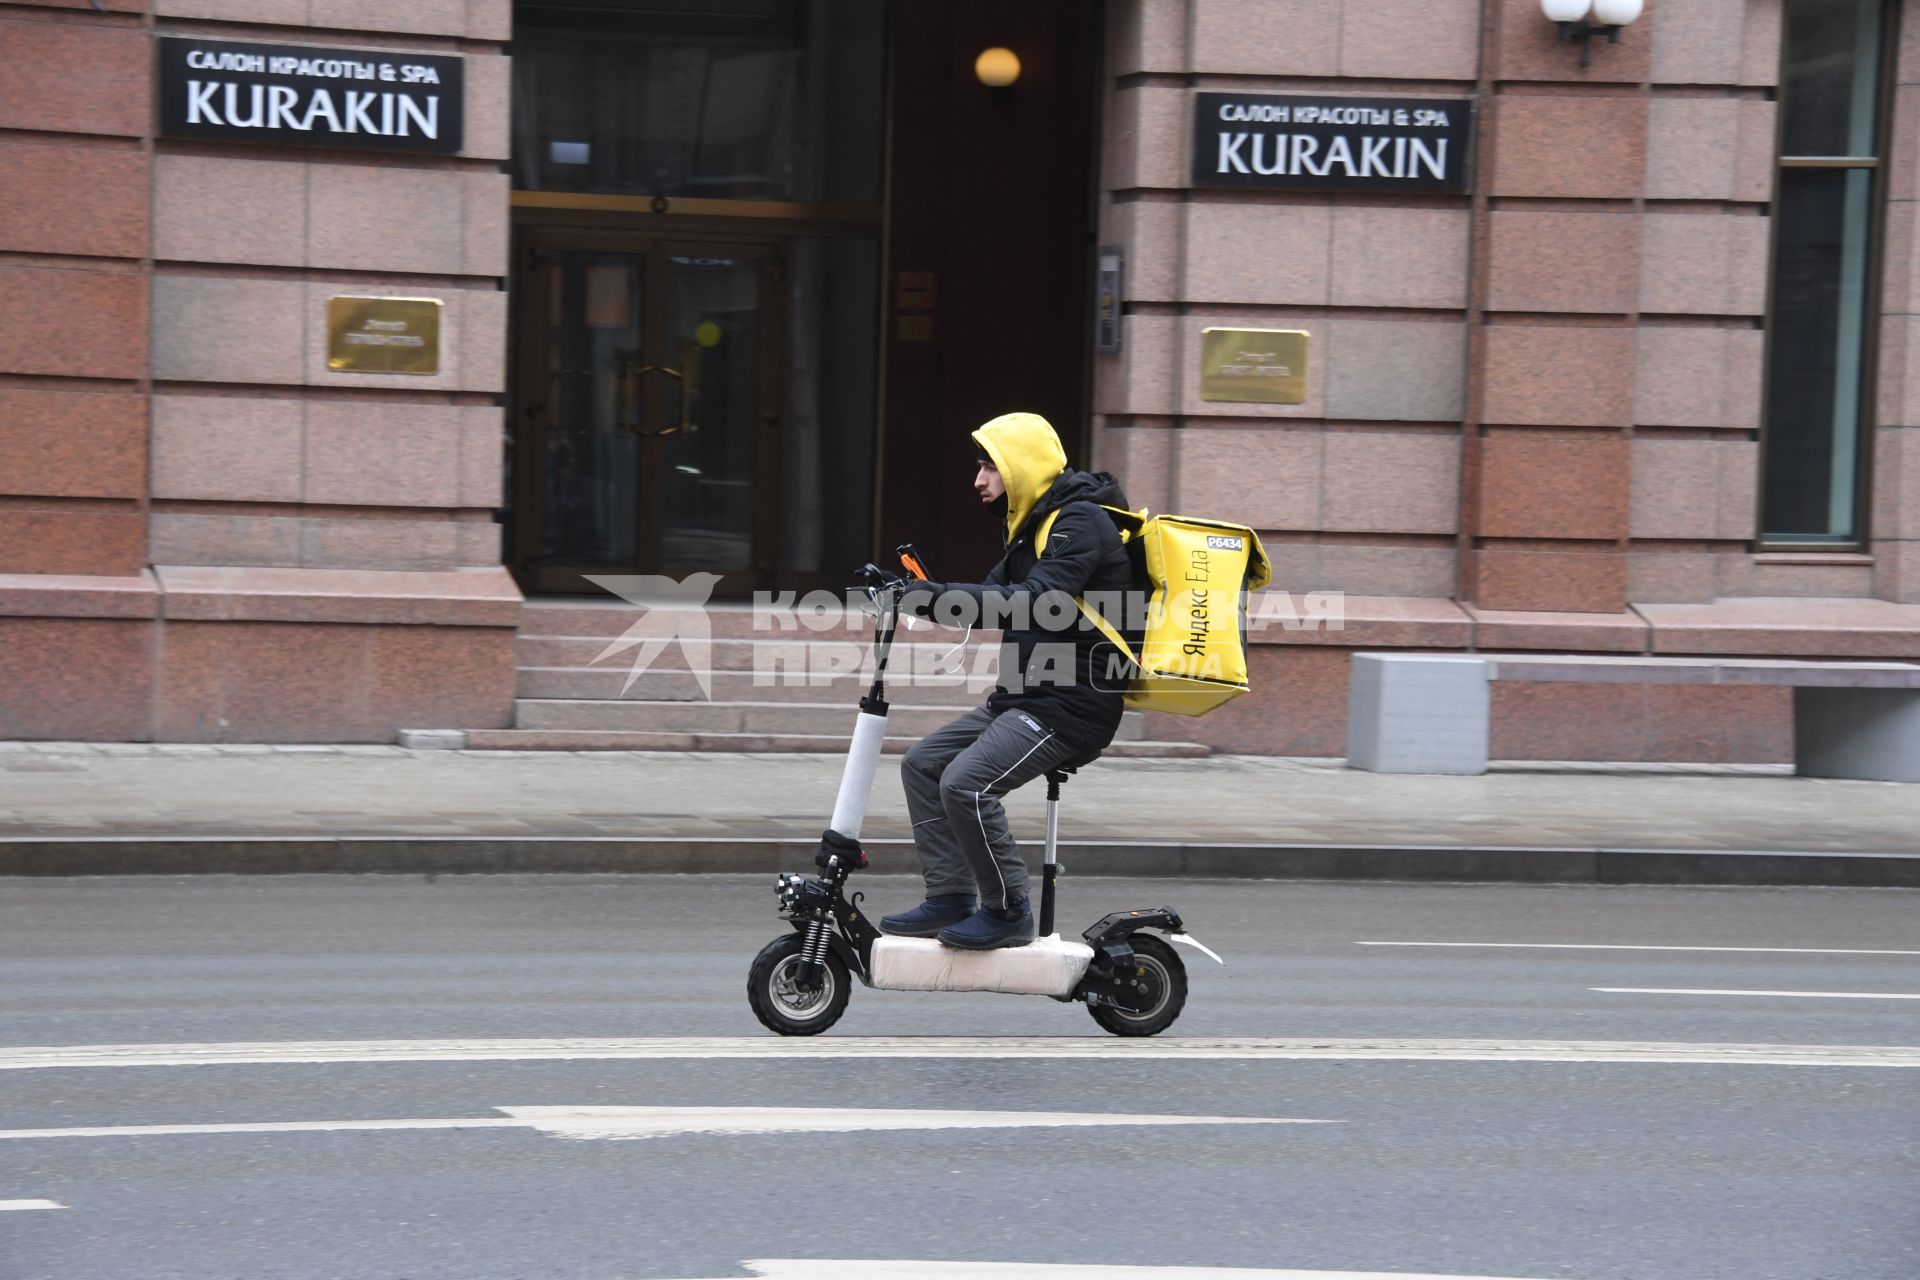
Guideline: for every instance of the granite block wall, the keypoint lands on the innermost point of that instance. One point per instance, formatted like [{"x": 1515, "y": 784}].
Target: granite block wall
[{"x": 165, "y": 400}]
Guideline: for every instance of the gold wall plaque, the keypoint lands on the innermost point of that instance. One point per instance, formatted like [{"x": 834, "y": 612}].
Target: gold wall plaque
[
  {"x": 384, "y": 335},
  {"x": 1260, "y": 366}
]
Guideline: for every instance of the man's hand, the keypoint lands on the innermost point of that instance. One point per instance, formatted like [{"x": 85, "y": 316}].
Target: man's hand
[{"x": 918, "y": 601}]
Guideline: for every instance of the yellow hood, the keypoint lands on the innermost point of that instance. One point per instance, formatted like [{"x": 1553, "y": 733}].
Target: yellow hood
[{"x": 1023, "y": 447}]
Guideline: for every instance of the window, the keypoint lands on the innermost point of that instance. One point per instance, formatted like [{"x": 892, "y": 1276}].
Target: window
[{"x": 1827, "y": 193}]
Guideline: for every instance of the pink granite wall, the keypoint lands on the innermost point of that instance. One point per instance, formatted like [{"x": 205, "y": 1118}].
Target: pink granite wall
[{"x": 166, "y": 410}]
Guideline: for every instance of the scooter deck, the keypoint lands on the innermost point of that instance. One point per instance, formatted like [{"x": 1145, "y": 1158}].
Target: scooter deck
[{"x": 1044, "y": 967}]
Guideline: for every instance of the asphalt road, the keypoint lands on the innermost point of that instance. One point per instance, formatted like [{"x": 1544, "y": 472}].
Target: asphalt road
[{"x": 1431, "y": 1162}]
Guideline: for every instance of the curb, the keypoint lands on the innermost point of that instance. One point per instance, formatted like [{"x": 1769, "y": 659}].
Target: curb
[{"x": 686, "y": 855}]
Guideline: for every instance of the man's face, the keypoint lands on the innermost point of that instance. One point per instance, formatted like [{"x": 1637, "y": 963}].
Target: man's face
[{"x": 988, "y": 484}]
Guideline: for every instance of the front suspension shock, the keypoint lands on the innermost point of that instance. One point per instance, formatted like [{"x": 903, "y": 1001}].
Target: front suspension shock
[{"x": 813, "y": 953}]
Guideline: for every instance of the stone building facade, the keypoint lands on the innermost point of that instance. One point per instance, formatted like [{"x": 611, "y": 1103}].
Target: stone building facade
[{"x": 1536, "y": 414}]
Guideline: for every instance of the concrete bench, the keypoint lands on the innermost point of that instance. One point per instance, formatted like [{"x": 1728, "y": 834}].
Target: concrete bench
[{"x": 1427, "y": 713}]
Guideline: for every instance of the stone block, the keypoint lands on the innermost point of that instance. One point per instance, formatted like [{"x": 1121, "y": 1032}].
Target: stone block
[
  {"x": 266, "y": 12},
  {"x": 1896, "y": 571},
  {"x": 382, "y": 218},
  {"x": 1670, "y": 577},
  {"x": 1695, "y": 41},
  {"x": 197, "y": 219},
  {"x": 186, "y": 538},
  {"x": 1703, "y": 264},
  {"x": 489, "y": 108},
  {"x": 476, "y": 544},
  {"x": 1697, "y": 377},
  {"x": 1266, "y": 37},
  {"x": 1760, "y": 43},
  {"x": 227, "y": 449},
  {"x": 229, "y": 330},
  {"x": 1896, "y": 483},
  {"x": 1558, "y": 261},
  {"x": 70, "y": 540},
  {"x": 72, "y": 444},
  {"x": 1676, "y": 488},
  {"x": 1387, "y": 257},
  {"x": 1140, "y": 457},
  {"x": 1754, "y": 163},
  {"x": 1258, "y": 253},
  {"x": 76, "y": 679},
  {"x": 73, "y": 322},
  {"x": 1566, "y": 147},
  {"x": 472, "y": 598},
  {"x": 1374, "y": 43},
  {"x": 1693, "y": 148},
  {"x": 1539, "y": 487},
  {"x": 52, "y": 595},
  {"x": 1269, "y": 479},
  {"x": 1396, "y": 370},
  {"x": 84, "y": 201},
  {"x": 1417, "y": 713},
  {"x": 479, "y": 438},
  {"x": 1147, "y": 137},
  {"x": 1390, "y": 482},
  {"x": 1373, "y": 570},
  {"x": 382, "y": 455},
  {"x": 490, "y": 20},
  {"x": 1539, "y": 376},
  {"x": 1550, "y": 581},
  {"x": 1146, "y": 36},
  {"x": 70, "y": 77},
  {"x": 1737, "y": 513},
  {"x": 374, "y": 543},
  {"x": 416, "y": 17},
  {"x": 1148, "y": 233},
  {"x": 1142, "y": 379}
]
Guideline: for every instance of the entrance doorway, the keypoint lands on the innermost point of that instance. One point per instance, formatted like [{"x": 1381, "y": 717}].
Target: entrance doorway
[{"x": 649, "y": 390}]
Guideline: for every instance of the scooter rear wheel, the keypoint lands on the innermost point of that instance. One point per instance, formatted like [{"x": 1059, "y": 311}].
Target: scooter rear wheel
[
  {"x": 1166, "y": 979},
  {"x": 780, "y": 1005}
]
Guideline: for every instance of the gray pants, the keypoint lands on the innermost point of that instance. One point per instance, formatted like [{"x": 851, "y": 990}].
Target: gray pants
[{"x": 954, "y": 779}]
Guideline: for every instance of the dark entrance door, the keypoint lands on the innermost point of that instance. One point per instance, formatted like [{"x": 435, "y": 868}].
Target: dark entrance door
[{"x": 648, "y": 384}]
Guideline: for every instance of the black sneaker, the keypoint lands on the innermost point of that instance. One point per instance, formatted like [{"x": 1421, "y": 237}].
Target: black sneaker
[
  {"x": 991, "y": 927},
  {"x": 930, "y": 917}
]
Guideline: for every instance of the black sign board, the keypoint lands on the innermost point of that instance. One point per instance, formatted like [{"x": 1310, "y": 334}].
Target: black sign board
[
  {"x": 373, "y": 98},
  {"x": 1314, "y": 142}
]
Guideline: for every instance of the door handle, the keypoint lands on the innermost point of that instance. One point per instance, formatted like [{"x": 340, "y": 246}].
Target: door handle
[{"x": 632, "y": 381}]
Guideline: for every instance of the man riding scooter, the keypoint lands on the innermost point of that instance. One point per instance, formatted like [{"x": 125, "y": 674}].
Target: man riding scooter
[{"x": 1055, "y": 705}]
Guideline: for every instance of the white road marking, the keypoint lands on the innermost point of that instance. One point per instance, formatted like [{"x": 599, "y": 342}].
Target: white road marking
[
  {"x": 30, "y": 1204},
  {"x": 873, "y": 1269},
  {"x": 1709, "y": 991},
  {"x": 1105, "y": 1049},
  {"x": 1622, "y": 946},
  {"x": 282, "y": 1126},
  {"x": 657, "y": 1122}
]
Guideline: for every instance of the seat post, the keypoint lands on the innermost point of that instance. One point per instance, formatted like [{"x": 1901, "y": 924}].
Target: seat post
[{"x": 1052, "y": 869}]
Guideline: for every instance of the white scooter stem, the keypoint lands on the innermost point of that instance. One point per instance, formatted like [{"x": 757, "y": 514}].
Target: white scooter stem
[{"x": 856, "y": 781}]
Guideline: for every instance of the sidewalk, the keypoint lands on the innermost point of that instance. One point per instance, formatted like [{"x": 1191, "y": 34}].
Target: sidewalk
[{"x": 78, "y": 809}]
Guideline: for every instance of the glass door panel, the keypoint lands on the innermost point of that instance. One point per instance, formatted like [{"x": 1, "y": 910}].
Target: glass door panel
[
  {"x": 646, "y": 409},
  {"x": 714, "y": 331},
  {"x": 594, "y": 340}
]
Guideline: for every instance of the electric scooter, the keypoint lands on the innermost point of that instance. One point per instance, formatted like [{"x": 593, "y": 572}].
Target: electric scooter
[{"x": 1131, "y": 981}]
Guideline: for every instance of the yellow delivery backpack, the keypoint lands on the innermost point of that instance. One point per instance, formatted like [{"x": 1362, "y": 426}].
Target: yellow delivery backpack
[{"x": 1193, "y": 652}]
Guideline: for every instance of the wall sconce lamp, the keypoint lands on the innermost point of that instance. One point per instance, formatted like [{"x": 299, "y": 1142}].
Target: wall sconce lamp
[
  {"x": 1608, "y": 16},
  {"x": 997, "y": 68}
]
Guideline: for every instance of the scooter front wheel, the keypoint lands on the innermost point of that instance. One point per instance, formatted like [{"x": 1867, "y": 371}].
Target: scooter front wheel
[
  {"x": 1166, "y": 978},
  {"x": 778, "y": 1001}
]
